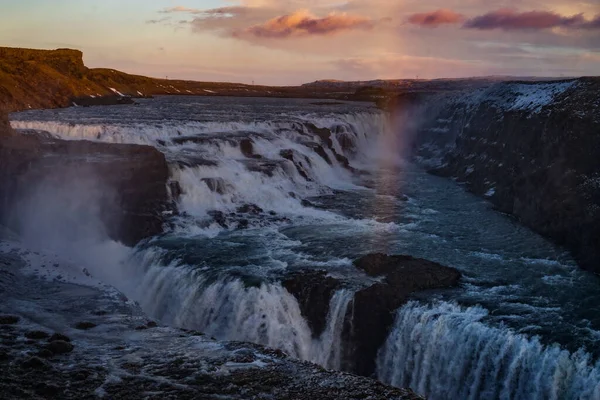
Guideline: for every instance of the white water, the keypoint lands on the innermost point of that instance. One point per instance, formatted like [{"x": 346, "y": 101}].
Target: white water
[
  {"x": 213, "y": 151},
  {"x": 445, "y": 351},
  {"x": 226, "y": 308}
]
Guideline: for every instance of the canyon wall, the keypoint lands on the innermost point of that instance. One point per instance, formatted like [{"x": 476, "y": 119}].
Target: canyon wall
[{"x": 531, "y": 149}]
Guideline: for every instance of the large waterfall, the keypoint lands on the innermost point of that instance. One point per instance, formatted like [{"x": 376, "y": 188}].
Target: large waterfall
[{"x": 264, "y": 192}]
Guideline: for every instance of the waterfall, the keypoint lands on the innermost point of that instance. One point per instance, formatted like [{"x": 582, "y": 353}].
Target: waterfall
[
  {"x": 233, "y": 310},
  {"x": 445, "y": 351}
]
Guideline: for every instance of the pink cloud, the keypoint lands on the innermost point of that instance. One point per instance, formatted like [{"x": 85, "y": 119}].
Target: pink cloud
[
  {"x": 302, "y": 23},
  {"x": 507, "y": 19},
  {"x": 436, "y": 18}
]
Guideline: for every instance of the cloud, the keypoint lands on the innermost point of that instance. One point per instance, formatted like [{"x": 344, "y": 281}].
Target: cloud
[
  {"x": 177, "y": 9},
  {"x": 436, "y": 18},
  {"x": 158, "y": 21},
  {"x": 507, "y": 19},
  {"x": 302, "y": 23}
]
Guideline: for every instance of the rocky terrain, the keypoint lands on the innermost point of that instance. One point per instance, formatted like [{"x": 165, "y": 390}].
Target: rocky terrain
[
  {"x": 59, "y": 340},
  {"x": 371, "y": 314},
  {"x": 121, "y": 187},
  {"x": 33, "y": 79},
  {"x": 532, "y": 149}
]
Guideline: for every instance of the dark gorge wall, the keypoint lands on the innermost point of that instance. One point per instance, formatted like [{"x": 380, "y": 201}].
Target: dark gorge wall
[
  {"x": 79, "y": 187},
  {"x": 531, "y": 149}
]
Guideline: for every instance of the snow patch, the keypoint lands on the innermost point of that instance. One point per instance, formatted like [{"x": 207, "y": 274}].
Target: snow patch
[{"x": 117, "y": 92}]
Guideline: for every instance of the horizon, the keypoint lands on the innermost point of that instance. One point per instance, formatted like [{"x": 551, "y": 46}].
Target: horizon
[{"x": 289, "y": 43}]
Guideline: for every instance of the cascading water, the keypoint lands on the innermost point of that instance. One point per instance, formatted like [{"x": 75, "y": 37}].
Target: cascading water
[
  {"x": 446, "y": 351},
  {"x": 272, "y": 187}
]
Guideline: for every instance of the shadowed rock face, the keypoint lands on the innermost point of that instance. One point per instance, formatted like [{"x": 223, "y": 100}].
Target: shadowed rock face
[
  {"x": 373, "y": 309},
  {"x": 5, "y": 129},
  {"x": 371, "y": 313},
  {"x": 533, "y": 150},
  {"x": 314, "y": 290},
  {"x": 122, "y": 187}
]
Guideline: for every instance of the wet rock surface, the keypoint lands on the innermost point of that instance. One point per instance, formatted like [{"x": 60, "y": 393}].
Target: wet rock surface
[
  {"x": 371, "y": 313},
  {"x": 119, "y": 361},
  {"x": 313, "y": 290},
  {"x": 123, "y": 187},
  {"x": 373, "y": 308}
]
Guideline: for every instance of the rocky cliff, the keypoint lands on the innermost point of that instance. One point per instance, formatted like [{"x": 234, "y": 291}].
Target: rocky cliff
[
  {"x": 33, "y": 79},
  {"x": 532, "y": 149},
  {"x": 369, "y": 317},
  {"x": 80, "y": 187}
]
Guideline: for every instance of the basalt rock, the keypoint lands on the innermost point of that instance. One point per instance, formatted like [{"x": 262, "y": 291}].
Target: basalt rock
[
  {"x": 373, "y": 308},
  {"x": 532, "y": 150},
  {"x": 216, "y": 185},
  {"x": 314, "y": 290},
  {"x": 370, "y": 315},
  {"x": 294, "y": 158},
  {"x": 247, "y": 149},
  {"x": 119, "y": 189}
]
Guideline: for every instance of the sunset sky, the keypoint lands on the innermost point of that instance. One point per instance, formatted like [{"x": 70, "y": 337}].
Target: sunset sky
[{"x": 297, "y": 41}]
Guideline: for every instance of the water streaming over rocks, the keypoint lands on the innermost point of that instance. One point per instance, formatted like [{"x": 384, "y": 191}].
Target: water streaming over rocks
[
  {"x": 267, "y": 188},
  {"x": 448, "y": 352}
]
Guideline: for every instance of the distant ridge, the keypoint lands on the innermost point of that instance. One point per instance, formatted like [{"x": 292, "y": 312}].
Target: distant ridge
[{"x": 33, "y": 79}]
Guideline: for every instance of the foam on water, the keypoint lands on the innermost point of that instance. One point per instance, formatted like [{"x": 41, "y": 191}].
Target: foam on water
[{"x": 237, "y": 310}]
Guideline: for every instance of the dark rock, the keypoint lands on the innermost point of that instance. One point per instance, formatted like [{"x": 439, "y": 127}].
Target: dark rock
[
  {"x": 37, "y": 335},
  {"x": 59, "y": 336},
  {"x": 321, "y": 152},
  {"x": 47, "y": 390},
  {"x": 306, "y": 203},
  {"x": 219, "y": 217},
  {"x": 243, "y": 224},
  {"x": 103, "y": 101},
  {"x": 45, "y": 353},
  {"x": 323, "y": 133},
  {"x": 373, "y": 308},
  {"x": 5, "y": 128},
  {"x": 217, "y": 185},
  {"x": 313, "y": 290},
  {"x": 250, "y": 209},
  {"x": 175, "y": 189},
  {"x": 289, "y": 155},
  {"x": 9, "y": 319},
  {"x": 85, "y": 325},
  {"x": 343, "y": 160},
  {"x": 122, "y": 186},
  {"x": 247, "y": 148},
  {"x": 141, "y": 328},
  {"x": 59, "y": 347},
  {"x": 4, "y": 355},
  {"x": 151, "y": 324},
  {"x": 34, "y": 363},
  {"x": 346, "y": 141},
  {"x": 540, "y": 164}
]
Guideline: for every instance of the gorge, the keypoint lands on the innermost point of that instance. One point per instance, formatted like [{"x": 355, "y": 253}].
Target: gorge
[{"x": 282, "y": 223}]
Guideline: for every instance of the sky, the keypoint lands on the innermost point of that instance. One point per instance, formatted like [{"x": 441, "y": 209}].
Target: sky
[{"x": 289, "y": 42}]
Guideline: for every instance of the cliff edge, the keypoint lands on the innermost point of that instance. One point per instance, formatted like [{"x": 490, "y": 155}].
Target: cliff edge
[
  {"x": 531, "y": 149},
  {"x": 79, "y": 188}
]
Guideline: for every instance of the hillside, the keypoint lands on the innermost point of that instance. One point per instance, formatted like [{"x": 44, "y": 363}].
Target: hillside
[{"x": 58, "y": 78}]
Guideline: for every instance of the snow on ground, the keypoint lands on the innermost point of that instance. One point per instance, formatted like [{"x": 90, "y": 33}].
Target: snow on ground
[{"x": 117, "y": 92}]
